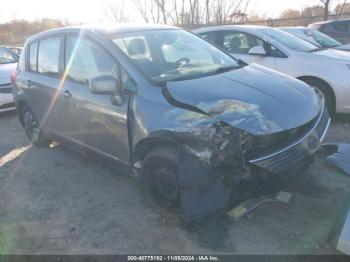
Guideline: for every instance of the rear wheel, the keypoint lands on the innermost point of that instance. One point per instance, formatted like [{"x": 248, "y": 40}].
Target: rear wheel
[
  {"x": 32, "y": 127},
  {"x": 160, "y": 169},
  {"x": 323, "y": 90}
]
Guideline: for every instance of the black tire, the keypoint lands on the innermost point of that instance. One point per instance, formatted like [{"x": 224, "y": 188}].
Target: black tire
[
  {"x": 325, "y": 91},
  {"x": 32, "y": 127},
  {"x": 160, "y": 171}
]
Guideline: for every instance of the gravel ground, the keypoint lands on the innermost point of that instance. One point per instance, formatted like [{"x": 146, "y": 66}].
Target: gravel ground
[{"x": 53, "y": 201}]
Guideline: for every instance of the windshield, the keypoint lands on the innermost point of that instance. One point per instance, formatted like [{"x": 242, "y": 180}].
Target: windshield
[
  {"x": 7, "y": 56},
  {"x": 322, "y": 39},
  {"x": 170, "y": 55},
  {"x": 291, "y": 41}
]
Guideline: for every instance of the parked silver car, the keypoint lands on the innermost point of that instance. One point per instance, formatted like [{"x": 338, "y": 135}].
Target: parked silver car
[
  {"x": 8, "y": 64},
  {"x": 316, "y": 37}
]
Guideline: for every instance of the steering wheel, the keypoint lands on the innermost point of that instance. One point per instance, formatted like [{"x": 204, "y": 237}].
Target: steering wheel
[{"x": 182, "y": 62}]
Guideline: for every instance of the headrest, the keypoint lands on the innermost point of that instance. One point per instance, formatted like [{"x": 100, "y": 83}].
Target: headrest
[
  {"x": 137, "y": 46},
  {"x": 235, "y": 43}
]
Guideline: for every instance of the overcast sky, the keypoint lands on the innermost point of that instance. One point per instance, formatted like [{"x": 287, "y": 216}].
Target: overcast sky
[{"x": 92, "y": 11}]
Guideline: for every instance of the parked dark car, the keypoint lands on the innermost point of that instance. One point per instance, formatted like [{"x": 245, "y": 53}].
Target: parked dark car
[
  {"x": 337, "y": 29},
  {"x": 198, "y": 127}
]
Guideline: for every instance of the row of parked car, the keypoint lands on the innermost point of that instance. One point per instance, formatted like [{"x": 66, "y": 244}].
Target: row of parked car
[
  {"x": 195, "y": 117},
  {"x": 303, "y": 53},
  {"x": 9, "y": 57}
]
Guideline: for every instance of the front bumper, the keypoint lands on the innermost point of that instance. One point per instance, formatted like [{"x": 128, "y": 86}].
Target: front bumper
[
  {"x": 298, "y": 152},
  {"x": 6, "y": 98}
]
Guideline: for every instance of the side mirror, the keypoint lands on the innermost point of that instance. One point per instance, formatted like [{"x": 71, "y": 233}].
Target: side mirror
[
  {"x": 257, "y": 50},
  {"x": 104, "y": 85}
]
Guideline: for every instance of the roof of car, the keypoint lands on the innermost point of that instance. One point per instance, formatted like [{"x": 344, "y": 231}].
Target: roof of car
[
  {"x": 106, "y": 28},
  {"x": 330, "y": 21},
  {"x": 293, "y": 27},
  {"x": 229, "y": 27}
]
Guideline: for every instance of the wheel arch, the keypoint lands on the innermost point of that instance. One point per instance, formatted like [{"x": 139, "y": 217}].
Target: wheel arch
[
  {"x": 19, "y": 105},
  {"x": 325, "y": 83},
  {"x": 146, "y": 145}
]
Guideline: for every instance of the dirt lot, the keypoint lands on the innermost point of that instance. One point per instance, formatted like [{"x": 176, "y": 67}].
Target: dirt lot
[{"x": 53, "y": 201}]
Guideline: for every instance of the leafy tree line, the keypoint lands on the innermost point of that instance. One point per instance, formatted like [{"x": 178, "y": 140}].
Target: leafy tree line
[
  {"x": 16, "y": 32},
  {"x": 311, "y": 14}
]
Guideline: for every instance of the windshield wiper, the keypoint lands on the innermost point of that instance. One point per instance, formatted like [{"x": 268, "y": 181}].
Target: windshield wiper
[
  {"x": 225, "y": 69},
  {"x": 204, "y": 74},
  {"x": 317, "y": 49}
]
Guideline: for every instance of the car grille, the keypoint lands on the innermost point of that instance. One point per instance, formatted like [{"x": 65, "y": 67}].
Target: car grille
[
  {"x": 7, "y": 106},
  {"x": 292, "y": 154}
]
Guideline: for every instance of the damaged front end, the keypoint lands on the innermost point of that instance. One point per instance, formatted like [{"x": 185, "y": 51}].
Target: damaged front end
[
  {"x": 222, "y": 165},
  {"x": 212, "y": 165}
]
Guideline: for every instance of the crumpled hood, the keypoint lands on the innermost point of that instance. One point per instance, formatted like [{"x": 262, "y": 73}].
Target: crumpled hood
[
  {"x": 5, "y": 72},
  {"x": 253, "y": 98}
]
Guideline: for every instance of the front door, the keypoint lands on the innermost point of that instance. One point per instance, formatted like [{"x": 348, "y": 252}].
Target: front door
[{"x": 100, "y": 120}]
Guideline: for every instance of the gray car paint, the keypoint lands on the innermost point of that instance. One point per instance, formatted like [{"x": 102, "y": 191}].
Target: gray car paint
[{"x": 251, "y": 99}]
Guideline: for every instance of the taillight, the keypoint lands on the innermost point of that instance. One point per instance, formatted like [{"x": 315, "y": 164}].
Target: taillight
[{"x": 13, "y": 76}]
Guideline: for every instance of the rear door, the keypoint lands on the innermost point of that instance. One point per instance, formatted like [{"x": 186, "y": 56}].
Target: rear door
[
  {"x": 100, "y": 121},
  {"x": 240, "y": 43},
  {"x": 41, "y": 82}
]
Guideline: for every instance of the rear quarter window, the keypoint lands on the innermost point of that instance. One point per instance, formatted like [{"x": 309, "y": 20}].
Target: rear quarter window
[{"x": 33, "y": 51}]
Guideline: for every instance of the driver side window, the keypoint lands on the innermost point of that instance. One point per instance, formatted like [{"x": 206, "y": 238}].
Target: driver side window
[
  {"x": 242, "y": 43},
  {"x": 239, "y": 42},
  {"x": 85, "y": 59}
]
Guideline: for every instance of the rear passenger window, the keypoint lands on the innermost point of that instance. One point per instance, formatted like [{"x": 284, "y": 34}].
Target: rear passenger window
[
  {"x": 48, "y": 57},
  {"x": 33, "y": 50},
  {"x": 85, "y": 59}
]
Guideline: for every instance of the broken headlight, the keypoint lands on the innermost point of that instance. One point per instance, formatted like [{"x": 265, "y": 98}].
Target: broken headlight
[{"x": 226, "y": 146}]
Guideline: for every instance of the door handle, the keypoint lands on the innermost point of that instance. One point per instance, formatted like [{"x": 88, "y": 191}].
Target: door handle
[{"x": 66, "y": 93}]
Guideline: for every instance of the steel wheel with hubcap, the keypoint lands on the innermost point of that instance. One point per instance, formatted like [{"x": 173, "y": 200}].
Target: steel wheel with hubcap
[{"x": 161, "y": 167}]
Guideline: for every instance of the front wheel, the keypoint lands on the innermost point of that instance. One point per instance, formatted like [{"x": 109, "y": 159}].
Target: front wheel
[
  {"x": 32, "y": 127},
  {"x": 160, "y": 169}
]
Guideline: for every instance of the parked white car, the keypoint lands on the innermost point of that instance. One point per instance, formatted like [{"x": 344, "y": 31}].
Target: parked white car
[
  {"x": 323, "y": 69},
  {"x": 8, "y": 63},
  {"x": 316, "y": 37}
]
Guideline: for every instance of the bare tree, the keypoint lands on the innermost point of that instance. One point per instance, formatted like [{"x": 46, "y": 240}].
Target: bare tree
[
  {"x": 116, "y": 12},
  {"x": 148, "y": 9},
  {"x": 339, "y": 9},
  {"x": 326, "y": 4},
  {"x": 225, "y": 10},
  {"x": 191, "y": 12},
  {"x": 161, "y": 5}
]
